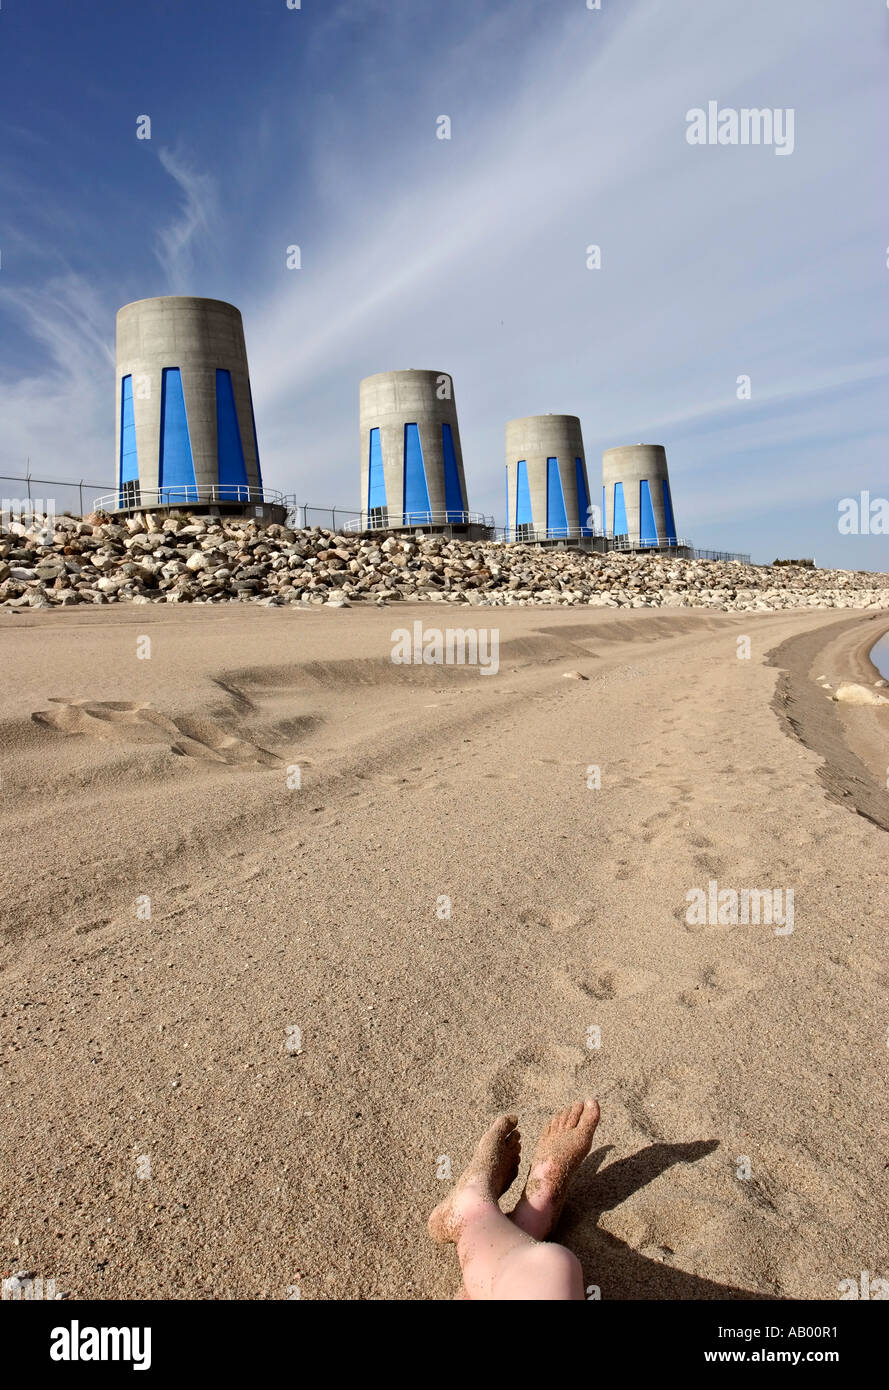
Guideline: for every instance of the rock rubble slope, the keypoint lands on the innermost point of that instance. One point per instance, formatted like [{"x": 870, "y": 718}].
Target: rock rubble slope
[{"x": 191, "y": 559}]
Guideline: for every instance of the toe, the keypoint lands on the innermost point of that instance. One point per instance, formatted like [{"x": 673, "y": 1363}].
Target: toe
[
  {"x": 590, "y": 1112},
  {"x": 573, "y": 1114}
]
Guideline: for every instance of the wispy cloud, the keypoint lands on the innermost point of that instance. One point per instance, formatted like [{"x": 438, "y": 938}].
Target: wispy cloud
[
  {"x": 190, "y": 234},
  {"x": 58, "y": 417}
]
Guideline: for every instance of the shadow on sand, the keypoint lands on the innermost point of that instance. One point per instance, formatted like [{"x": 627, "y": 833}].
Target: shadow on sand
[{"x": 619, "y": 1271}]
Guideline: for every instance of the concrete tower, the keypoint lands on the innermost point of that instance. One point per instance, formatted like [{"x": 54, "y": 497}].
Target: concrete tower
[
  {"x": 547, "y": 490},
  {"x": 411, "y": 459},
  {"x": 636, "y": 495},
  {"x": 185, "y": 428}
]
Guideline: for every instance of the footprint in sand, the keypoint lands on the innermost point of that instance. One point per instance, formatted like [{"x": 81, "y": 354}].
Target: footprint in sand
[
  {"x": 555, "y": 919},
  {"x": 603, "y": 982},
  {"x": 697, "y": 928},
  {"x": 609, "y": 981},
  {"x": 860, "y": 963},
  {"x": 126, "y": 721},
  {"x": 664, "y": 1230},
  {"x": 718, "y": 986},
  {"x": 543, "y": 1075},
  {"x": 710, "y": 864},
  {"x": 670, "y": 1104},
  {"x": 756, "y": 1192}
]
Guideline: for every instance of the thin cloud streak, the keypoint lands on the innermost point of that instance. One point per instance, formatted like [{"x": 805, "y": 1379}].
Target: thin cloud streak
[{"x": 181, "y": 242}]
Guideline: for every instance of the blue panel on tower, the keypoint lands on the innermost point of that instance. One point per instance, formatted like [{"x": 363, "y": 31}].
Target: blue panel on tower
[
  {"x": 454, "y": 502},
  {"x": 668, "y": 513},
  {"x": 604, "y": 513},
  {"x": 376, "y": 482},
  {"x": 556, "y": 519},
  {"x": 129, "y": 461},
  {"x": 416, "y": 493},
  {"x": 619, "y": 527},
  {"x": 647, "y": 527},
  {"x": 583, "y": 500},
  {"x": 230, "y": 451},
  {"x": 523, "y": 515},
  {"x": 176, "y": 470}
]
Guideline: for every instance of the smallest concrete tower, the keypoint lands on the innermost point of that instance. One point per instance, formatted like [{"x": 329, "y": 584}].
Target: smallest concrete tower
[
  {"x": 547, "y": 490},
  {"x": 637, "y": 503}
]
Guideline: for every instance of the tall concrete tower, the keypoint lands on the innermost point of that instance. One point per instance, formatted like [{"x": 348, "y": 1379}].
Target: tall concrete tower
[
  {"x": 637, "y": 502},
  {"x": 547, "y": 490},
  {"x": 185, "y": 427},
  {"x": 411, "y": 459}
]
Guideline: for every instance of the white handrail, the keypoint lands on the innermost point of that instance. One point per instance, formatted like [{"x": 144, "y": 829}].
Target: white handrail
[
  {"x": 132, "y": 497},
  {"x": 366, "y": 521}
]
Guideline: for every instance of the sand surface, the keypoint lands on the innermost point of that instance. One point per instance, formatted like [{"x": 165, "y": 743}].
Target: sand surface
[{"x": 159, "y": 1138}]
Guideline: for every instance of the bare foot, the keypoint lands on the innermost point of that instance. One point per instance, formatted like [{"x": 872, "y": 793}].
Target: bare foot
[
  {"x": 494, "y": 1166},
  {"x": 561, "y": 1148}
]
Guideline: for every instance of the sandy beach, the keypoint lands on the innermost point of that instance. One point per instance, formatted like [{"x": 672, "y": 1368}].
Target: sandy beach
[{"x": 243, "y": 1034}]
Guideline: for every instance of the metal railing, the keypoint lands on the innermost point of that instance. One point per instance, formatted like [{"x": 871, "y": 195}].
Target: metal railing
[
  {"x": 630, "y": 543},
  {"x": 721, "y": 555},
  {"x": 374, "y": 521},
  {"x": 525, "y": 532},
  {"x": 302, "y": 515},
  {"x": 131, "y": 497}
]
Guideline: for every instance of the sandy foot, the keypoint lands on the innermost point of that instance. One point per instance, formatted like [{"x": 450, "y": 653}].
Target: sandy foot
[
  {"x": 493, "y": 1169},
  {"x": 561, "y": 1148}
]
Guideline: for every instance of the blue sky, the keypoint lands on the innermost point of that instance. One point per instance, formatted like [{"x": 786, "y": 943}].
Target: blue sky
[{"x": 317, "y": 127}]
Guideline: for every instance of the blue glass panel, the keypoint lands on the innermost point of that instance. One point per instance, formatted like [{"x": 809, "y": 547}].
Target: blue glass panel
[
  {"x": 176, "y": 471},
  {"x": 454, "y": 503},
  {"x": 523, "y": 515},
  {"x": 556, "y": 518},
  {"x": 668, "y": 513},
  {"x": 233, "y": 485},
  {"x": 647, "y": 527},
  {"x": 376, "y": 482},
  {"x": 620, "y": 527},
  {"x": 416, "y": 493},
  {"x": 583, "y": 499},
  {"x": 129, "y": 462}
]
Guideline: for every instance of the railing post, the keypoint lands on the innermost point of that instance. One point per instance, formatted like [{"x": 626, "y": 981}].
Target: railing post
[{"x": 80, "y": 490}]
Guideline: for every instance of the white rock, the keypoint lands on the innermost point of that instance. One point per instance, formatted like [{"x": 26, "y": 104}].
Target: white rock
[{"x": 851, "y": 694}]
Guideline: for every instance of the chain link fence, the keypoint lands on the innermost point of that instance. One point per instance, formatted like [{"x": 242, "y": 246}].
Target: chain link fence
[{"x": 30, "y": 495}]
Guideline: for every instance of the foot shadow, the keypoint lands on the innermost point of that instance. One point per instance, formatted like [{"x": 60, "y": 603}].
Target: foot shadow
[{"x": 619, "y": 1271}]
